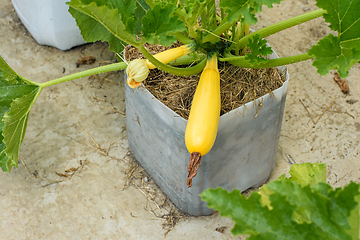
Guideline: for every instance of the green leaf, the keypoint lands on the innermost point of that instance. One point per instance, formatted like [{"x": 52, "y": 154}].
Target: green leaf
[
  {"x": 328, "y": 209},
  {"x": 123, "y": 22},
  {"x": 141, "y": 8},
  {"x": 344, "y": 17},
  {"x": 308, "y": 173},
  {"x": 259, "y": 222},
  {"x": 329, "y": 55},
  {"x": 258, "y": 50},
  {"x": 159, "y": 24},
  {"x": 126, "y": 11},
  {"x": 189, "y": 11},
  {"x": 246, "y": 9},
  {"x": 304, "y": 174},
  {"x": 300, "y": 207},
  {"x": 354, "y": 220},
  {"x": 342, "y": 205},
  {"x": 339, "y": 52},
  {"x": 104, "y": 23},
  {"x": 17, "y": 96}
]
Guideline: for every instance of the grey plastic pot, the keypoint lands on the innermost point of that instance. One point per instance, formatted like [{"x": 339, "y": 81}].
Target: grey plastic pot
[{"x": 243, "y": 155}]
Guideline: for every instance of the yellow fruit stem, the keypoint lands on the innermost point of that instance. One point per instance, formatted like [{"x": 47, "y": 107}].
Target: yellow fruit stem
[
  {"x": 212, "y": 63},
  {"x": 170, "y": 55}
]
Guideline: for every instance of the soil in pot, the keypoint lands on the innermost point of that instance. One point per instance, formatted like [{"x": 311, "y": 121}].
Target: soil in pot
[{"x": 238, "y": 85}]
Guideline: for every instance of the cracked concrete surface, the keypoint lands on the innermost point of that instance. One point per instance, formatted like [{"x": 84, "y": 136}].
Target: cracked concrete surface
[{"x": 68, "y": 120}]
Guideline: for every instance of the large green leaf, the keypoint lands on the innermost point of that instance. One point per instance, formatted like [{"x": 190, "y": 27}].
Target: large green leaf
[
  {"x": 245, "y": 8},
  {"x": 300, "y": 207},
  {"x": 190, "y": 10},
  {"x": 126, "y": 10},
  {"x": 339, "y": 52},
  {"x": 17, "y": 96},
  {"x": 140, "y": 11},
  {"x": 101, "y": 23},
  {"x": 159, "y": 24},
  {"x": 344, "y": 17},
  {"x": 328, "y": 209},
  {"x": 258, "y": 221},
  {"x": 122, "y": 22}
]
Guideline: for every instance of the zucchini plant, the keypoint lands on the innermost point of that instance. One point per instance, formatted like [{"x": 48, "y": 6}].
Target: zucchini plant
[{"x": 210, "y": 31}]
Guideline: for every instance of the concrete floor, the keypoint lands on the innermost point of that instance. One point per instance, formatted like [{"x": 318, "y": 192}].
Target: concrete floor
[{"x": 80, "y": 125}]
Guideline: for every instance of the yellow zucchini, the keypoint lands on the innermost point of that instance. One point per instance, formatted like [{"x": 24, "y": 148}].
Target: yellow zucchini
[
  {"x": 170, "y": 55},
  {"x": 204, "y": 115},
  {"x": 203, "y": 122},
  {"x": 138, "y": 70}
]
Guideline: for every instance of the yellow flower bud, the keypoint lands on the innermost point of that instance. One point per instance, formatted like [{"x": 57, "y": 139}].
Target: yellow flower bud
[{"x": 137, "y": 71}]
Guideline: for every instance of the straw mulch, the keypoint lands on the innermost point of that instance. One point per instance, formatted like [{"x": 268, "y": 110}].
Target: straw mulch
[{"x": 238, "y": 85}]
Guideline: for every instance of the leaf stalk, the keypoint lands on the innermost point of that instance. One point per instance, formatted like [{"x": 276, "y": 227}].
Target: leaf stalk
[
  {"x": 241, "y": 62},
  {"x": 86, "y": 73},
  {"x": 279, "y": 26}
]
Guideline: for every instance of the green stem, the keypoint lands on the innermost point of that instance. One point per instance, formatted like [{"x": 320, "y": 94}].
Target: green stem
[
  {"x": 173, "y": 70},
  {"x": 212, "y": 12},
  {"x": 222, "y": 12},
  {"x": 241, "y": 62},
  {"x": 192, "y": 31},
  {"x": 204, "y": 20},
  {"x": 182, "y": 38},
  {"x": 237, "y": 33},
  {"x": 217, "y": 32},
  {"x": 277, "y": 27},
  {"x": 188, "y": 60},
  {"x": 93, "y": 71},
  {"x": 34, "y": 99}
]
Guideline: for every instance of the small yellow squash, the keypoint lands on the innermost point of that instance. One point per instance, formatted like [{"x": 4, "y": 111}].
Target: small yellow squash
[{"x": 138, "y": 70}]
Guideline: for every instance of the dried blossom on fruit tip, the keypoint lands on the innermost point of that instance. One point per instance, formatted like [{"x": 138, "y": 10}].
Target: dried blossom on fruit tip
[{"x": 193, "y": 166}]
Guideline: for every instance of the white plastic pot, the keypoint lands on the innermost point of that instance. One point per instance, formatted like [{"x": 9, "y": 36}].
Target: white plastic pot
[
  {"x": 49, "y": 22},
  {"x": 243, "y": 155}
]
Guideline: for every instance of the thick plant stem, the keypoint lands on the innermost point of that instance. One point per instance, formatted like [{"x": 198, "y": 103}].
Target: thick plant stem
[
  {"x": 86, "y": 73},
  {"x": 182, "y": 38},
  {"x": 217, "y": 32},
  {"x": 277, "y": 27},
  {"x": 237, "y": 38},
  {"x": 188, "y": 60},
  {"x": 241, "y": 62},
  {"x": 173, "y": 70}
]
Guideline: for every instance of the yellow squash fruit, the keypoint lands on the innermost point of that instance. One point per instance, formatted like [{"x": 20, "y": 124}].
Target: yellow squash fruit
[
  {"x": 171, "y": 55},
  {"x": 203, "y": 122},
  {"x": 138, "y": 69}
]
